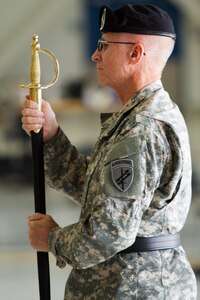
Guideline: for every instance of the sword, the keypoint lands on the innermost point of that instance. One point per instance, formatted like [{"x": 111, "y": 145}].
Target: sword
[{"x": 35, "y": 92}]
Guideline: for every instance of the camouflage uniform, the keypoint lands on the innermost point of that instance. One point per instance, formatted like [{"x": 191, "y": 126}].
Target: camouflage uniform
[{"x": 137, "y": 182}]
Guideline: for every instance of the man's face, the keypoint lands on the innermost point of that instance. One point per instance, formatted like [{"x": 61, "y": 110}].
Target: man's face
[{"x": 112, "y": 60}]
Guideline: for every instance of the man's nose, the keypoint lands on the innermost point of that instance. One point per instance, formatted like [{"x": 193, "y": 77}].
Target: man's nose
[{"x": 96, "y": 56}]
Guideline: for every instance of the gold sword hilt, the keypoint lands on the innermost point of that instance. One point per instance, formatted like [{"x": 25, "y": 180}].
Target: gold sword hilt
[{"x": 35, "y": 87}]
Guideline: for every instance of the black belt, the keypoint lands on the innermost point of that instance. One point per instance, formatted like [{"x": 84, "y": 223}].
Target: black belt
[{"x": 144, "y": 244}]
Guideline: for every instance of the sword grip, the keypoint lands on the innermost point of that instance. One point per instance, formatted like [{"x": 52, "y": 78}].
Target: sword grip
[
  {"x": 35, "y": 62},
  {"x": 35, "y": 91}
]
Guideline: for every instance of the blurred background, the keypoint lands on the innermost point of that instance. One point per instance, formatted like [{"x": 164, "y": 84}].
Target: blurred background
[{"x": 70, "y": 30}]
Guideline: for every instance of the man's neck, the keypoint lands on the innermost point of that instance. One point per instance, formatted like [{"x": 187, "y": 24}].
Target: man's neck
[{"x": 128, "y": 91}]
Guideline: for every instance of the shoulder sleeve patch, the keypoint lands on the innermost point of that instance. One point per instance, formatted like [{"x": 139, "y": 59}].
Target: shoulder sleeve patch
[
  {"x": 122, "y": 171},
  {"x": 125, "y": 168}
]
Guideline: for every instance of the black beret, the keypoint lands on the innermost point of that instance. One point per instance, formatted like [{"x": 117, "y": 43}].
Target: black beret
[{"x": 136, "y": 18}]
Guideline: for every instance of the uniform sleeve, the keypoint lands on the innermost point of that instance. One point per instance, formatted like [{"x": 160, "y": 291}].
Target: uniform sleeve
[
  {"x": 65, "y": 167},
  {"x": 112, "y": 223}
]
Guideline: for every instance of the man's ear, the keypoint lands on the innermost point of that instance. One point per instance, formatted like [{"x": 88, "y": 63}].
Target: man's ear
[
  {"x": 137, "y": 53},
  {"x": 134, "y": 53}
]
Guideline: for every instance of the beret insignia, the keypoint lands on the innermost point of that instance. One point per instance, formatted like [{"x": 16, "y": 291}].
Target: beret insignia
[{"x": 103, "y": 19}]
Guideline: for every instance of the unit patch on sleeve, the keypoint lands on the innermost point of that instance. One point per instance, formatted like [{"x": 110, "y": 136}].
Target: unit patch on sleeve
[{"x": 122, "y": 171}]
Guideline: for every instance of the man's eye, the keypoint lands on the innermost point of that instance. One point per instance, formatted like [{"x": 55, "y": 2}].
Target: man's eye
[{"x": 105, "y": 46}]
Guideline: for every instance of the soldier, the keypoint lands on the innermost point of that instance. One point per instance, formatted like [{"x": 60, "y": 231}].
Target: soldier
[{"x": 135, "y": 188}]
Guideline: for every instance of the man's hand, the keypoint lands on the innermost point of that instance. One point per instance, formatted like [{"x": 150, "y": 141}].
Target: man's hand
[
  {"x": 39, "y": 226},
  {"x": 33, "y": 119}
]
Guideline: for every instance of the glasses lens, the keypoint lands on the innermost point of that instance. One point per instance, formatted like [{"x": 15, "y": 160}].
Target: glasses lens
[{"x": 100, "y": 45}]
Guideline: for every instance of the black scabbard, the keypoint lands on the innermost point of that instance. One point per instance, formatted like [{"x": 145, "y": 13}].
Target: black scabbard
[{"x": 40, "y": 207}]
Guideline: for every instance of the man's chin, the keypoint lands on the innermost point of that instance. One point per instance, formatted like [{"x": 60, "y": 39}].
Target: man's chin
[{"x": 102, "y": 81}]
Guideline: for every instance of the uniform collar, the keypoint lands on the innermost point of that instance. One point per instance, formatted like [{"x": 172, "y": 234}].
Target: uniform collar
[
  {"x": 110, "y": 121},
  {"x": 141, "y": 96}
]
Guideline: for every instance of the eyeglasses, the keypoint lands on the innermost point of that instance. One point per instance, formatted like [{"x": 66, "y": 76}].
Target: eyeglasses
[{"x": 102, "y": 42}]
